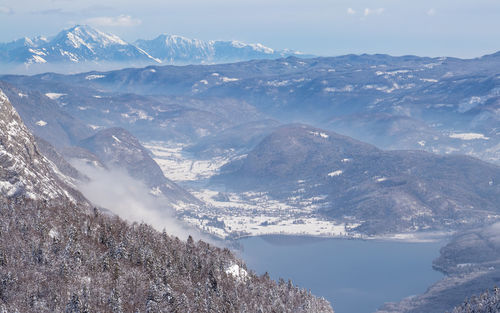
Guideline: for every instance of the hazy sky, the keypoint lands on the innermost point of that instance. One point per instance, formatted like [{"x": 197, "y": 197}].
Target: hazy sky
[{"x": 465, "y": 28}]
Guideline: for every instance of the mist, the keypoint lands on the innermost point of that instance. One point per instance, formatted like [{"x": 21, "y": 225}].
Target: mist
[{"x": 115, "y": 190}]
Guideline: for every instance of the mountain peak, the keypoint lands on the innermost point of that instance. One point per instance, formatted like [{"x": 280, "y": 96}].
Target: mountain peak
[
  {"x": 85, "y": 35},
  {"x": 82, "y": 45}
]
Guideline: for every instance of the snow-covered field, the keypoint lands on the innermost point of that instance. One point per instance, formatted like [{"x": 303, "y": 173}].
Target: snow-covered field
[
  {"x": 179, "y": 167},
  {"x": 229, "y": 214}
]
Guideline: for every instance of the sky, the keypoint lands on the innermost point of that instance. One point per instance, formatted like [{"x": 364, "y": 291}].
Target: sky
[{"x": 461, "y": 28}]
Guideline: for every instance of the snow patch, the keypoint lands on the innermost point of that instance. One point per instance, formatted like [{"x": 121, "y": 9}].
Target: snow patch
[
  {"x": 94, "y": 76},
  {"x": 346, "y": 88},
  {"x": 335, "y": 173},
  {"x": 229, "y": 79},
  {"x": 37, "y": 59},
  {"x": 41, "y": 123},
  {"x": 53, "y": 233},
  {"x": 319, "y": 134},
  {"x": 429, "y": 80},
  {"x": 236, "y": 271},
  {"x": 468, "y": 136},
  {"x": 54, "y": 95},
  {"x": 155, "y": 191},
  {"x": 94, "y": 127}
]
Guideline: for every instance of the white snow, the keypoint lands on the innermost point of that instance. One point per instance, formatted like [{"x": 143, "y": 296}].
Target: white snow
[
  {"x": 22, "y": 95},
  {"x": 37, "y": 59},
  {"x": 204, "y": 82},
  {"x": 37, "y": 52},
  {"x": 468, "y": 136},
  {"x": 429, "y": 80},
  {"x": 116, "y": 139},
  {"x": 335, "y": 173},
  {"x": 346, "y": 88},
  {"x": 236, "y": 271},
  {"x": 381, "y": 179},
  {"x": 229, "y": 79},
  {"x": 178, "y": 166},
  {"x": 319, "y": 134},
  {"x": 256, "y": 47},
  {"x": 94, "y": 76},
  {"x": 41, "y": 123},
  {"x": 94, "y": 127},
  {"x": 155, "y": 191},
  {"x": 54, "y": 95},
  {"x": 277, "y": 83},
  {"x": 53, "y": 233}
]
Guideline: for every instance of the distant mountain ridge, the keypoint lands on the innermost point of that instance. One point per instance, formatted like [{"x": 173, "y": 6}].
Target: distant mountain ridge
[
  {"x": 82, "y": 44},
  {"x": 172, "y": 49},
  {"x": 74, "y": 45}
]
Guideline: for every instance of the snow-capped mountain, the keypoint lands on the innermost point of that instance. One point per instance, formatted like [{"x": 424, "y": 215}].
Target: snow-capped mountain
[
  {"x": 172, "y": 49},
  {"x": 82, "y": 45},
  {"x": 24, "y": 171},
  {"x": 79, "y": 44}
]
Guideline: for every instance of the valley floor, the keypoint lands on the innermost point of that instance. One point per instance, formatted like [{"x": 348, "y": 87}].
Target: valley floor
[{"x": 234, "y": 215}]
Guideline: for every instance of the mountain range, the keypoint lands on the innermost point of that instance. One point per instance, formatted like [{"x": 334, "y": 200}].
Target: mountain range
[
  {"x": 59, "y": 255},
  {"x": 83, "y": 47},
  {"x": 419, "y": 136}
]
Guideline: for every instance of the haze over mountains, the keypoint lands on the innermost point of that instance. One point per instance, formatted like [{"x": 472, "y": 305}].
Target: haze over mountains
[
  {"x": 356, "y": 146},
  {"x": 57, "y": 255},
  {"x": 83, "y": 47}
]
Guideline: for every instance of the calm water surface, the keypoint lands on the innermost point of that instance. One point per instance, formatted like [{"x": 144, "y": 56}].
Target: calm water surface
[{"x": 355, "y": 276}]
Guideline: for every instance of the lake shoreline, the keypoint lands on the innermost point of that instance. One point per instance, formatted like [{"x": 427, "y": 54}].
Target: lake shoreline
[{"x": 379, "y": 270}]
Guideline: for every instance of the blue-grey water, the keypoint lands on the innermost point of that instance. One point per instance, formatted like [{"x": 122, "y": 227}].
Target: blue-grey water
[{"x": 356, "y": 276}]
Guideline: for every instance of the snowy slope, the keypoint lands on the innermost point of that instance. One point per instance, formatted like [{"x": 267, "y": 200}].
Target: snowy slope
[
  {"x": 78, "y": 44},
  {"x": 23, "y": 170},
  {"x": 84, "y": 45},
  {"x": 172, "y": 49}
]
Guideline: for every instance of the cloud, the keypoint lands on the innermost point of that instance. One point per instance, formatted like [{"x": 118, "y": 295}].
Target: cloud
[
  {"x": 431, "y": 12},
  {"x": 369, "y": 11},
  {"x": 6, "y": 10},
  {"x": 118, "y": 21},
  {"x": 117, "y": 191},
  {"x": 351, "y": 11}
]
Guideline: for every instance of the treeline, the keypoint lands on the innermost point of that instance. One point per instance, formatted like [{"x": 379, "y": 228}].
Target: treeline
[
  {"x": 62, "y": 258},
  {"x": 487, "y": 302}
]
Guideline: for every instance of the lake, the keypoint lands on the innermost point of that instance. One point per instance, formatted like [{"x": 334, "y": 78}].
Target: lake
[{"x": 356, "y": 276}]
